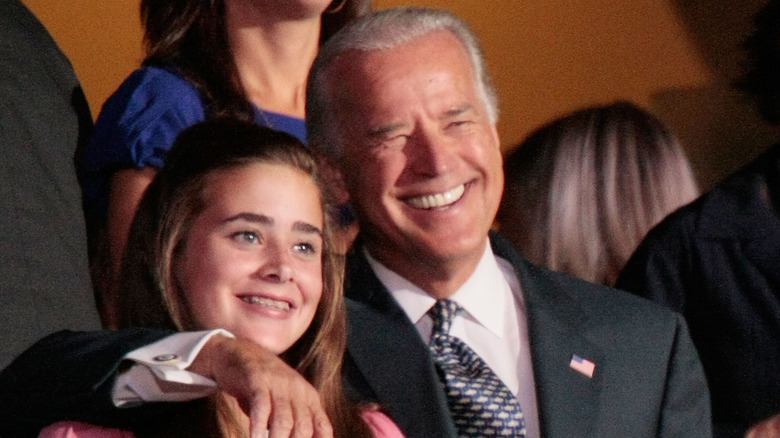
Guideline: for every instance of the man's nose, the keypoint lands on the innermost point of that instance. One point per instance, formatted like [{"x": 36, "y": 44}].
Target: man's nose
[{"x": 430, "y": 153}]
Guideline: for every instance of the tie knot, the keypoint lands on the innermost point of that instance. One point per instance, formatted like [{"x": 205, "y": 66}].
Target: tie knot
[{"x": 442, "y": 313}]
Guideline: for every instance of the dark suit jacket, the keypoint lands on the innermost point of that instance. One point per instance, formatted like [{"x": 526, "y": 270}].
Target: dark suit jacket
[
  {"x": 648, "y": 381},
  {"x": 70, "y": 376},
  {"x": 716, "y": 262}
]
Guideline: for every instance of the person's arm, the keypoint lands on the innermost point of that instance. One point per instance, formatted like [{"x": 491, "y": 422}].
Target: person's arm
[
  {"x": 69, "y": 375},
  {"x": 685, "y": 412},
  {"x": 276, "y": 398},
  {"x": 127, "y": 188},
  {"x": 188, "y": 365},
  {"x": 73, "y": 376}
]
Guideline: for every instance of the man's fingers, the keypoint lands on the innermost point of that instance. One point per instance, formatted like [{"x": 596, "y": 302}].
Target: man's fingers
[
  {"x": 282, "y": 419},
  {"x": 259, "y": 414},
  {"x": 322, "y": 426},
  {"x": 279, "y": 401},
  {"x": 304, "y": 421}
]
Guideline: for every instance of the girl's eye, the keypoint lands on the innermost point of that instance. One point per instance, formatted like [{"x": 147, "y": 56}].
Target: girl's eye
[
  {"x": 305, "y": 248},
  {"x": 246, "y": 236}
]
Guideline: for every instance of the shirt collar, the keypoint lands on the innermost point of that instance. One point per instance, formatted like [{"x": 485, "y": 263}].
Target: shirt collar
[{"x": 484, "y": 291}]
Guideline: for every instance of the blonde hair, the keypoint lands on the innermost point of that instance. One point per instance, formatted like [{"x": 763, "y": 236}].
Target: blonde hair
[
  {"x": 150, "y": 295},
  {"x": 583, "y": 191}
]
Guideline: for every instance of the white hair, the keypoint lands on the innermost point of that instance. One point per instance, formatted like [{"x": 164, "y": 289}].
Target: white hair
[{"x": 384, "y": 30}]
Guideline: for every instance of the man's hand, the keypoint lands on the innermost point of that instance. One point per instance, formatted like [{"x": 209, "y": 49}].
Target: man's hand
[
  {"x": 769, "y": 428},
  {"x": 277, "y": 399}
]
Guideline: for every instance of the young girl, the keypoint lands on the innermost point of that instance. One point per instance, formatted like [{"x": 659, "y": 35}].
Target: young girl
[{"x": 233, "y": 233}]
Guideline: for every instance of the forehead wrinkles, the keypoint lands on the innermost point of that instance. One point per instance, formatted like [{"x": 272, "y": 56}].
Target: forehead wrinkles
[{"x": 356, "y": 78}]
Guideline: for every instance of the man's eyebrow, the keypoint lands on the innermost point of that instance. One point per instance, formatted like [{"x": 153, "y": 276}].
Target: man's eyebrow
[
  {"x": 454, "y": 112},
  {"x": 382, "y": 131}
]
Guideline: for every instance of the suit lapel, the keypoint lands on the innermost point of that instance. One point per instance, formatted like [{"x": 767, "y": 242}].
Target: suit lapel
[
  {"x": 380, "y": 333},
  {"x": 395, "y": 363},
  {"x": 567, "y": 399}
]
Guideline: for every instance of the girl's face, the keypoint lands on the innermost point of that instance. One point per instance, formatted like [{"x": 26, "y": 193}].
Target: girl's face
[{"x": 252, "y": 261}]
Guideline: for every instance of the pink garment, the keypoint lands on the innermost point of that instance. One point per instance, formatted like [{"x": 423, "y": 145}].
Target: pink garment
[
  {"x": 72, "y": 429},
  {"x": 381, "y": 426}
]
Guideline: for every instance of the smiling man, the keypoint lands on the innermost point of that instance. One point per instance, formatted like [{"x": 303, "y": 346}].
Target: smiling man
[
  {"x": 421, "y": 158},
  {"x": 401, "y": 103}
]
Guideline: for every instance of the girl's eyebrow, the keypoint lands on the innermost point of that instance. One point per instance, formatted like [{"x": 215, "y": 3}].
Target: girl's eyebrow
[
  {"x": 306, "y": 228},
  {"x": 262, "y": 219},
  {"x": 251, "y": 217}
]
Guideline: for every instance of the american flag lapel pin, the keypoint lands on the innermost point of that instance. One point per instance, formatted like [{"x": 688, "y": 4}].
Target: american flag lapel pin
[{"x": 582, "y": 366}]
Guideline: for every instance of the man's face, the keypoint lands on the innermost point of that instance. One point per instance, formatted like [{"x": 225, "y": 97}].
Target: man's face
[{"x": 422, "y": 162}]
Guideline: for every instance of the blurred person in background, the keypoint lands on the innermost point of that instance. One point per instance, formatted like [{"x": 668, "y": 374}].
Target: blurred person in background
[
  {"x": 582, "y": 191},
  {"x": 44, "y": 119},
  {"x": 716, "y": 262}
]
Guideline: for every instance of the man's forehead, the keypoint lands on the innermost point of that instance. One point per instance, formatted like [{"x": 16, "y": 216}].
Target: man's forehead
[
  {"x": 358, "y": 59},
  {"x": 358, "y": 69}
]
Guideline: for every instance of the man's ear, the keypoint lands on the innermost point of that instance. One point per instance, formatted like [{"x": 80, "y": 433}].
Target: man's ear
[
  {"x": 496, "y": 136},
  {"x": 333, "y": 178}
]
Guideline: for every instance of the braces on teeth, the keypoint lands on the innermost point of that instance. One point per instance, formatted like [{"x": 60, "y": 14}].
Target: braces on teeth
[{"x": 267, "y": 302}]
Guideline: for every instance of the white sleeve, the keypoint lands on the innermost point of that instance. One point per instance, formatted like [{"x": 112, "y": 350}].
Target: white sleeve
[{"x": 159, "y": 372}]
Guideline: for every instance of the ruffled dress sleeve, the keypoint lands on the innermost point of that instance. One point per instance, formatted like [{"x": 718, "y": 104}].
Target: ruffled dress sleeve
[{"x": 136, "y": 128}]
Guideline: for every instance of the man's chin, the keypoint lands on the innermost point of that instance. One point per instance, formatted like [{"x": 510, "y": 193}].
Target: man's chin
[{"x": 450, "y": 247}]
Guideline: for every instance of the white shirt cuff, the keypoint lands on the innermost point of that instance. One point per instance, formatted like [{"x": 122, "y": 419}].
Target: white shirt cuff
[{"x": 159, "y": 372}]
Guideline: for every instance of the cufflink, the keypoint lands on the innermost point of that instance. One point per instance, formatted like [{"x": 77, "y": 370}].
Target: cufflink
[{"x": 166, "y": 357}]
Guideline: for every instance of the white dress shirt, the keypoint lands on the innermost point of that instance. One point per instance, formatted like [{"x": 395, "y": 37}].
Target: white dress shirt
[
  {"x": 493, "y": 323},
  {"x": 166, "y": 361}
]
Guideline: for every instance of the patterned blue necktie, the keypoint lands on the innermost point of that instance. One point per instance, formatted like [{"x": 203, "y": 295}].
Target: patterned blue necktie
[{"x": 481, "y": 405}]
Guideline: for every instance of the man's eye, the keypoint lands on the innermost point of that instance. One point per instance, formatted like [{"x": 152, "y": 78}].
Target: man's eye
[
  {"x": 459, "y": 123},
  {"x": 246, "y": 236},
  {"x": 391, "y": 143}
]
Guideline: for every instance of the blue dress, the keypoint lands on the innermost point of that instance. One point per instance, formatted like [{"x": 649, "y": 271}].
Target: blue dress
[{"x": 137, "y": 127}]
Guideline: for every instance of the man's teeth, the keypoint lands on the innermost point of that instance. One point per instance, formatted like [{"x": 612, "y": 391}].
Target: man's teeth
[
  {"x": 267, "y": 302},
  {"x": 439, "y": 199}
]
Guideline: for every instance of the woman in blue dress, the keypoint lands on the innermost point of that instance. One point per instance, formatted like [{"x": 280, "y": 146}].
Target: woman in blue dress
[{"x": 246, "y": 59}]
